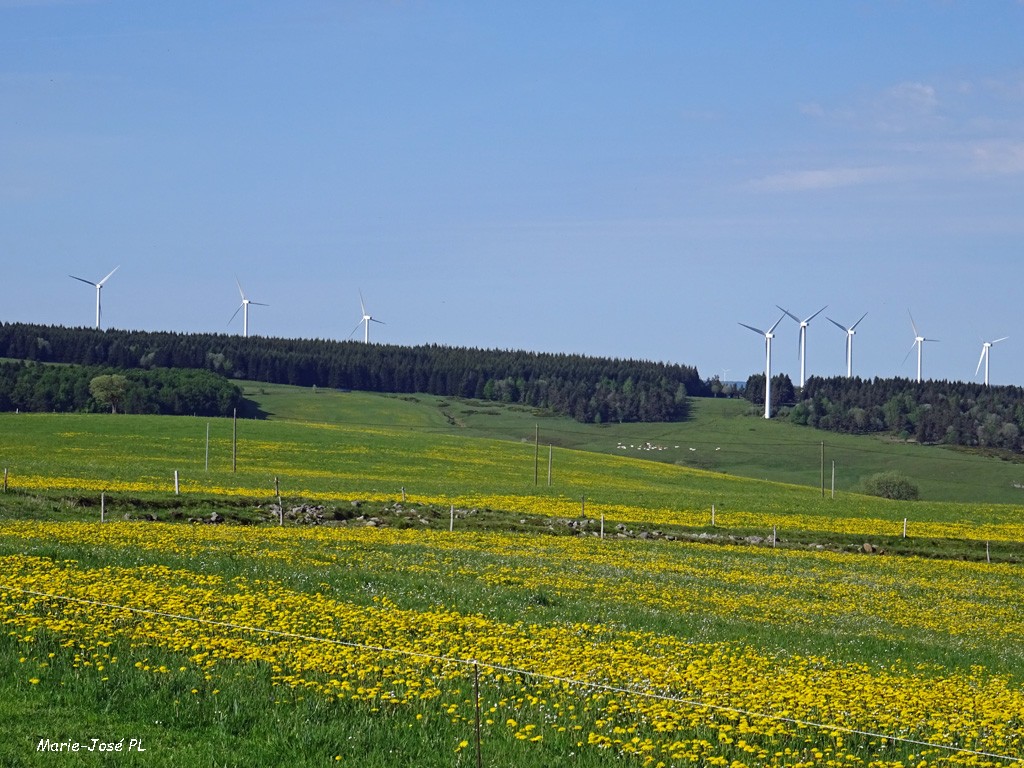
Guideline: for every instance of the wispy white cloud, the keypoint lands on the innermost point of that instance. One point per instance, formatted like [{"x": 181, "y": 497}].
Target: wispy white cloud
[
  {"x": 904, "y": 107},
  {"x": 822, "y": 178},
  {"x": 998, "y": 158},
  {"x": 897, "y": 109},
  {"x": 915, "y": 96},
  {"x": 955, "y": 130},
  {"x": 1005, "y": 88}
]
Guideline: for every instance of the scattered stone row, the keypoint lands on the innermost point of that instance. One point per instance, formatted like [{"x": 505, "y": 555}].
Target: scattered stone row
[
  {"x": 316, "y": 514},
  {"x": 591, "y": 527}
]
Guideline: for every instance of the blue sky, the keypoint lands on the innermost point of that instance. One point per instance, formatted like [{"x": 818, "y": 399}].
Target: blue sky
[{"x": 622, "y": 179}]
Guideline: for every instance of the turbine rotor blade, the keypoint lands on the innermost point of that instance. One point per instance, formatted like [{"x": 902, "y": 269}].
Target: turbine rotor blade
[
  {"x": 258, "y": 303},
  {"x": 240, "y": 291},
  {"x": 758, "y": 331},
  {"x": 858, "y": 322},
  {"x": 788, "y": 313},
  {"x": 980, "y": 360},
  {"x": 239, "y": 309},
  {"x": 912, "y": 324},
  {"x": 82, "y": 279},
  {"x": 842, "y": 328},
  {"x": 998, "y": 340},
  {"x": 355, "y": 329},
  {"x": 908, "y": 353},
  {"x": 101, "y": 282},
  {"x": 779, "y": 321},
  {"x": 375, "y": 320},
  {"x": 816, "y": 314}
]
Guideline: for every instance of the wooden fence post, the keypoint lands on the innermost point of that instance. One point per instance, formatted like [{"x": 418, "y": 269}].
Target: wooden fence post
[{"x": 280, "y": 506}]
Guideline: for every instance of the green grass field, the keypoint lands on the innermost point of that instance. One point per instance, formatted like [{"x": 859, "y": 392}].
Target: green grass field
[
  {"x": 336, "y": 447},
  {"x": 725, "y": 435}
]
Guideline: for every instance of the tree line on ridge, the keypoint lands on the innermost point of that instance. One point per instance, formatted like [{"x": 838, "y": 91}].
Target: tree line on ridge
[
  {"x": 589, "y": 389},
  {"x": 932, "y": 411}
]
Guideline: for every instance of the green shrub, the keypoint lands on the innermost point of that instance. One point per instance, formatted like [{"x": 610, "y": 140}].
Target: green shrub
[{"x": 890, "y": 485}]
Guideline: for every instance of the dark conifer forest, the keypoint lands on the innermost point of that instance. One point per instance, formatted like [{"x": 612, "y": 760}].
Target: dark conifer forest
[
  {"x": 950, "y": 412},
  {"x": 589, "y": 389},
  {"x": 190, "y": 373}
]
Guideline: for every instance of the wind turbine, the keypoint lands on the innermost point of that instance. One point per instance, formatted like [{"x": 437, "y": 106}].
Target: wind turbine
[
  {"x": 367, "y": 319},
  {"x": 985, "y": 347},
  {"x": 768, "y": 336},
  {"x": 919, "y": 341},
  {"x": 850, "y": 332},
  {"x": 99, "y": 288},
  {"x": 244, "y": 307},
  {"x": 803, "y": 337}
]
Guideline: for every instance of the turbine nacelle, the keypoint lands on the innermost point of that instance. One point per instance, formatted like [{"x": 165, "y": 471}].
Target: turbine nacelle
[
  {"x": 802, "y": 350},
  {"x": 919, "y": 341},
  {"x": 850, "y": 333},
  {"x": 99, "y": 287},
  {"x": 367, "y": 318},
  {"x": 244, "y": 309},
  {"x": 768, "y": 336},
  {"x": 986, "y": 348}
]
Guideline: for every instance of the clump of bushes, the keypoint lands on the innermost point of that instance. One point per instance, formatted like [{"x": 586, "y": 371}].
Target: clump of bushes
[{"x": 891, "y": 485}]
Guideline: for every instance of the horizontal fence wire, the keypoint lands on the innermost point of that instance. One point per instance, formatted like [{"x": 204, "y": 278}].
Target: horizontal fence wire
[{"x": 603, "y": 687}]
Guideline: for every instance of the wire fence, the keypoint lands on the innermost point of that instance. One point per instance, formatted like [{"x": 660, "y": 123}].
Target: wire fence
[{"x": 474, "y": 666}]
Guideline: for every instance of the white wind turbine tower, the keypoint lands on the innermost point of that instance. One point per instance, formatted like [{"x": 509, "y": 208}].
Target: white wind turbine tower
[
  {"x": 365, "y": 322},
  {"x": 985, "y": 347},
  {"x": 803, "y": 337},
  {"x": 850, "y": 332},
  {"x": 244, "y": 307},
  {"x": 99, "y": 287},
  {"x": 919, "y": 341},
  {"x": 768, "y": 336}
]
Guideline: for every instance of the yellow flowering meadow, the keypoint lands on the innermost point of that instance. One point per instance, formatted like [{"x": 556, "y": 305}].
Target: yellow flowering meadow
[
  {"x": 395, "y": 619},
  {"x": 770, "y": 517},
  {"x": 335, "y": 463}
]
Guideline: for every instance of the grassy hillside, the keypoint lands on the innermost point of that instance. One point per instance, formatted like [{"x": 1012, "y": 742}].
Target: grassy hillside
[
  {"x": 374, "y": 449},
  {"x": 722, "y": 436}
]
